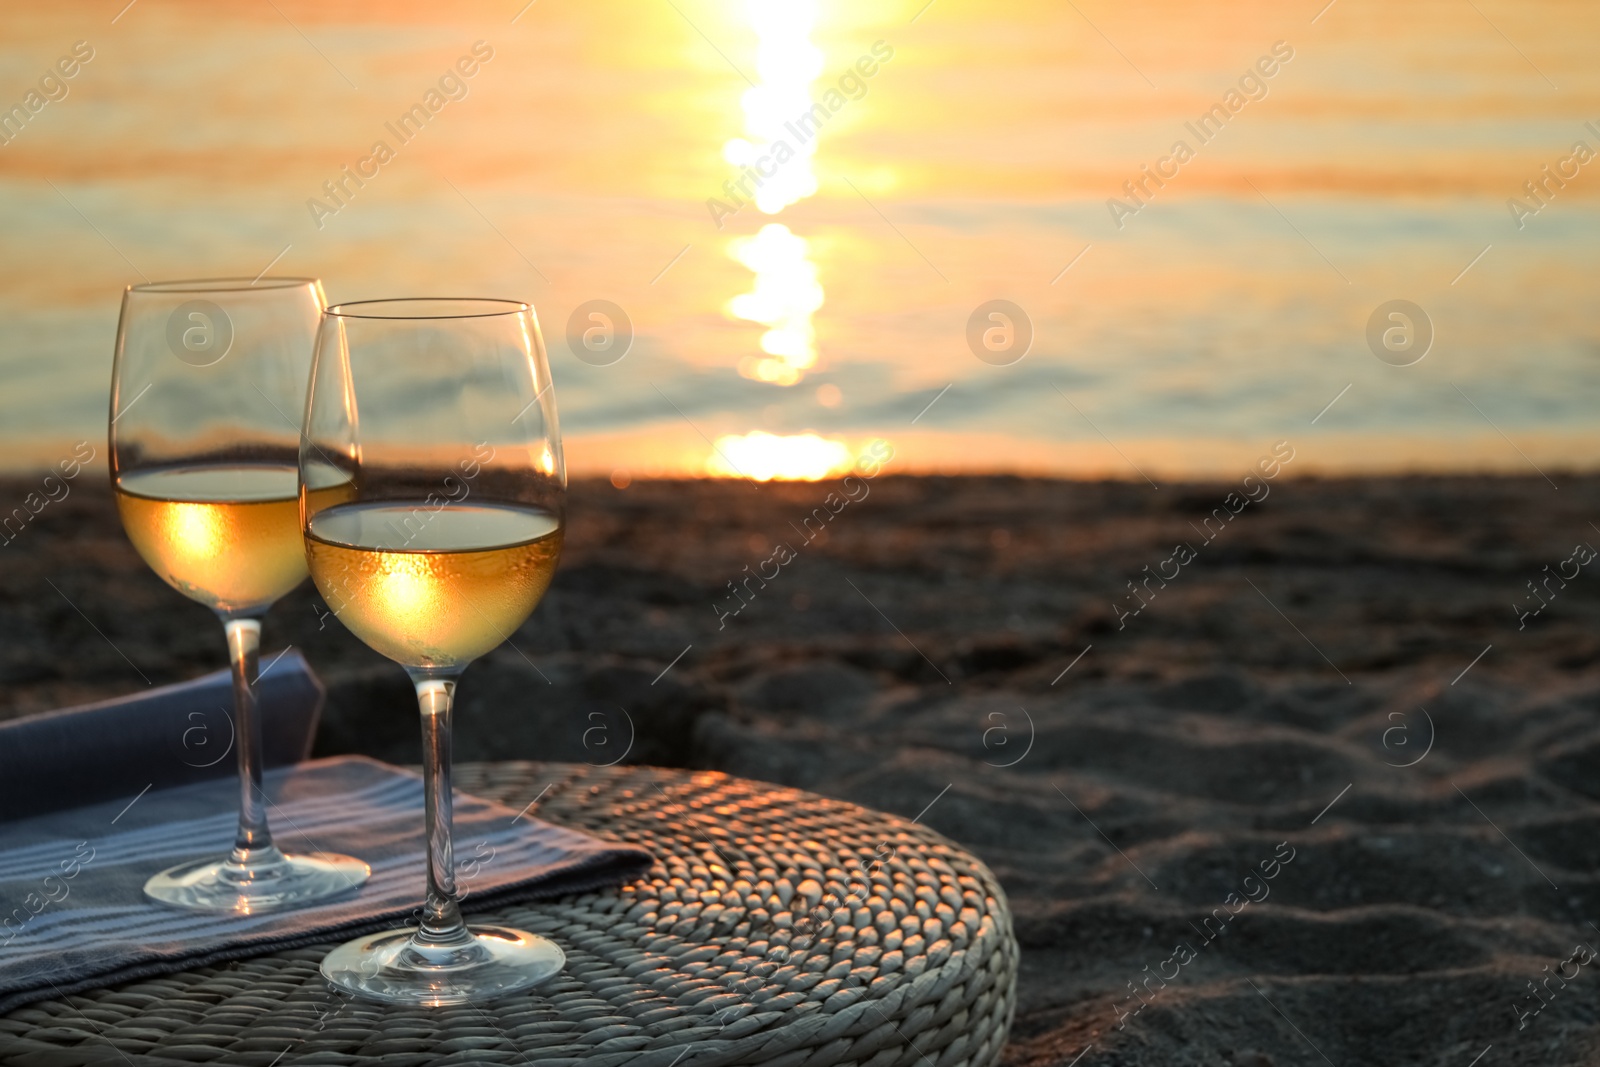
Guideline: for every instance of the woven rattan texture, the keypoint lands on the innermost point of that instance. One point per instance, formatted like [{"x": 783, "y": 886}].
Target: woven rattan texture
[{"x": 777, "y": 928}]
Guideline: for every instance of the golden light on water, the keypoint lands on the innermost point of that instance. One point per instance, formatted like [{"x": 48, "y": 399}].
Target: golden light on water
[
  {"x": 763, "y": 456},
  {"x": 786, "y": 293},
  {"x": 774, "y": 158},
  {"x": 786, "y": 65}
]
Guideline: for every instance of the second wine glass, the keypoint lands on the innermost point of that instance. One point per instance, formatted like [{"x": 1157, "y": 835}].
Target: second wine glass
[
  {"x": 206, "y": 380},
  {"x": 432, "y": 490}
]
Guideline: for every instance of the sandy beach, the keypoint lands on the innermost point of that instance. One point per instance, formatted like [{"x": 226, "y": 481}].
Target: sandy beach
[{"x": 1320, "y": 787}]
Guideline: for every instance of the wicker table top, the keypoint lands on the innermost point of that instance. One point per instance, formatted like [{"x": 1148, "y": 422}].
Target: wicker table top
[{"x": 777, "y": 928}]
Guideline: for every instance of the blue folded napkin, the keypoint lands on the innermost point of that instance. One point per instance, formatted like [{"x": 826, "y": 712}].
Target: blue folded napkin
[
  {"x": 73, "y": 915},
  {"x": 173, "y": 735}
]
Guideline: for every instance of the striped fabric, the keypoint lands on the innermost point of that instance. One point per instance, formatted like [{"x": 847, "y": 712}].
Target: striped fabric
[
  {"x": 167, "y": 736},
  {"x": 73, "y": 915}
]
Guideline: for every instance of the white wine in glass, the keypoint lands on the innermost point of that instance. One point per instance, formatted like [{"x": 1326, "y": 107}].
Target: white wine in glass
[
  {"x": 432, "y": 495},
  {"x": 469, "y": 577},
  {"x": 225, "y": 534},
  {"x": 204, "y": 467}
]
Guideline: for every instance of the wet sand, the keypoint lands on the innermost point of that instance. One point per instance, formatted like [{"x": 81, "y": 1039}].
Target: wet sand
[{"x": 1284, "y": 814}]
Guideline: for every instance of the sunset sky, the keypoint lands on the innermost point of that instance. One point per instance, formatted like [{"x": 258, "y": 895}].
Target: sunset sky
[{"x": 974, "y": 163}]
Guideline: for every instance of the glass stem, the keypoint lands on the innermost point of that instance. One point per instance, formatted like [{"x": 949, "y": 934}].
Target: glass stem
[
  {"x": 253, "y": 844},
  {"x": 442, "y": 926}
]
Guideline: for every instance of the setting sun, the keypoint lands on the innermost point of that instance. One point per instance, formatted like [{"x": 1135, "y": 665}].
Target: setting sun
[{"x": 764, "y": 457}]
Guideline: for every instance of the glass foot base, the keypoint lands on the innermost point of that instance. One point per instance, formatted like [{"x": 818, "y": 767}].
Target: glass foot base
[
  {"x": 268, "y": 883},
  {"x": 395, "y": 968}
]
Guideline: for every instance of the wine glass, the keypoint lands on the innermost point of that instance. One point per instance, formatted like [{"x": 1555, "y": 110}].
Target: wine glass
[
  {"x": 432, "y": 490},
  {"x": 208, "y": 379}
]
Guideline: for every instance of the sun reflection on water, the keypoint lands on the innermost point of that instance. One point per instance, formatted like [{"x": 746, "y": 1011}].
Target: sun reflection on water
[
  {"x": 786, "y": 290},
  {"x": 786, "y": 293},
  {"x": 786, "y": 65}
]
